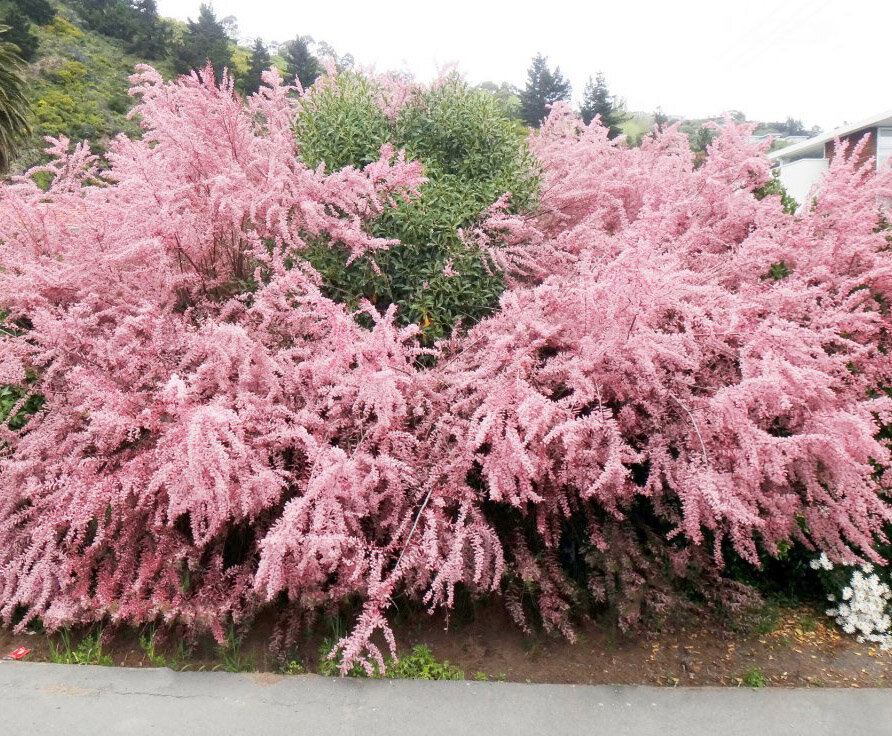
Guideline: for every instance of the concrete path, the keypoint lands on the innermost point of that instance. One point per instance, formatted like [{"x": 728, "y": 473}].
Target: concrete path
[{"x": 48, "y": 699}]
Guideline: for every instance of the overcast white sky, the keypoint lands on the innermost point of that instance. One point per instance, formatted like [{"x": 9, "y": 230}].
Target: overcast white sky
[{"x": 824, "y": 61}]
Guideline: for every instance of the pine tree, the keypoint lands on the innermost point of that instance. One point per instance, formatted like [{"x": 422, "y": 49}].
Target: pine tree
[
  {"x": 260, "y": 62},
  {"x": 300, "y": 61},
  {"x": 150, "y": 36},
  {"x": 205, "y": 40},
  {"x": 661, "y": 119},
  {"x": 597, "y": 100},
  {"x": 13, "y": 103},
  {"x": 544, "y": 88}
]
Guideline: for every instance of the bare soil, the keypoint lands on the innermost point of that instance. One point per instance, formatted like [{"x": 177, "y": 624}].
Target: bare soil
[{"x": 786, "y": 647}]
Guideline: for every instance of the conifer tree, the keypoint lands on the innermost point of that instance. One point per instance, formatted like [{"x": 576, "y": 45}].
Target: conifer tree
[
  {"x": 150, "y": 35},
  {"x": 205, "y": 40},
  {"x": 260, "y": 62},
  {"x": 597, "y": 101},
  {"x": 544, "y": 88},
  {"x": 300, "y": 62}
]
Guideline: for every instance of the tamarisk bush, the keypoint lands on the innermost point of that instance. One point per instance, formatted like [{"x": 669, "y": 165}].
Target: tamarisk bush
[
  {"x": 198, "y": 388},
  {"x": 678, "y": 371}
]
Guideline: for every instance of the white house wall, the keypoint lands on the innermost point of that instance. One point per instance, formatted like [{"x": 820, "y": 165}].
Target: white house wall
[
  {"x": 884, "y": 145},
  {"x": 798, "y": 177}
]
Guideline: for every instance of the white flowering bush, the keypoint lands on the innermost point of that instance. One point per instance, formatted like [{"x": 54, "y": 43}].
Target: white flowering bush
[{"x": 862, "y": 605}]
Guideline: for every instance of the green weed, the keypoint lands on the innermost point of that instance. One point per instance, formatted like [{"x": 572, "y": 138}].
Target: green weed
[
  {"x": 754, "y": 677},
  {"x": 292, "y": 668},
  {"x": 87, "y": 651},
  {"x": 231, "y": 654},
  {"x": 147, "y": 644},
  {"x": 421, "y": 664}
]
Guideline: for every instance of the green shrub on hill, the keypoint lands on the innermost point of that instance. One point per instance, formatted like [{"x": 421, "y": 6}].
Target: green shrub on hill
[{"x": 77, "y": 86}]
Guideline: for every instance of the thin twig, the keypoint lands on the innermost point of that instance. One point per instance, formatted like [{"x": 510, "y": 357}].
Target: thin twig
[{"x": 696, "y": 428}]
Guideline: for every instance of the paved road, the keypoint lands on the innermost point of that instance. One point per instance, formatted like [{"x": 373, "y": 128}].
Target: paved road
[{"x": 94, "y": 701}]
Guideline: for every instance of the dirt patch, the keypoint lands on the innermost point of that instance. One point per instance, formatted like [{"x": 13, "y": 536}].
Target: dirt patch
[{"x": 791, "y": 647}]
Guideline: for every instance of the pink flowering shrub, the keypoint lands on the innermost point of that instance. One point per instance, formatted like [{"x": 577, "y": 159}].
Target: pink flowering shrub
[
  {"x": 198, "y": 388},
  {"x": 677, "y": 371}
]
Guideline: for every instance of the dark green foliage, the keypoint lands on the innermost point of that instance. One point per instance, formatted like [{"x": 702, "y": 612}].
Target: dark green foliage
[
  {"x": 300, "y": 62},
  {"x": 39, "y": 11},
  {"x": 774, "y": 188},
  {"x": 205, "y": 40},
  {"x": 19, "y": 33},
  {"x": 778, "y": 271},
  {"x": 9, "y": 397},
  {"x": 13, "y": 102},
  {"x": 597, "y": 100},
  {"x": 544, "y": 88},
  {"x": 109, "y": 17},
  {"x": 661, "y": 119},
  {"x": 136, "y": 22},
  {"x": 150, "y": 35},
  {"x": 260, "y": 62},
  {"x": 784, "y": 577},
  {"x": 471, "y": 156}
]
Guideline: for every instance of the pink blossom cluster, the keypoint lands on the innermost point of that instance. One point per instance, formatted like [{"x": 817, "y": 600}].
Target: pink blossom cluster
[{"x": 218, "y": 435}]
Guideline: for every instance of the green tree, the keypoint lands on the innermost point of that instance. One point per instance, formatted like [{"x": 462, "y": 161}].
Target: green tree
[
  {"x": 13, "y": 103},
  {"x": 544, "y": 88},
  {"x": 19, "y": 32},
  {"x": 793, "y": 126},
  {"x": 39, "y": 11},
  {"x": 661, "y": 119},
  {"x": 507, "y": 94},
  {"x": 300, "y": 62},
  {"x": 260, "y": 62},
  {"x": 343, "y": 62},
  {"x": 150, "y": 35},
  {"x": 109, "y": 17},
  {"x": 597, "y": 101},
  {"x": 205, "y": 40}
]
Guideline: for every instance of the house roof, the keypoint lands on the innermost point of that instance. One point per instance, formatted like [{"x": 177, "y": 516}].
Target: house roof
[{"x": 815, "y": 146}]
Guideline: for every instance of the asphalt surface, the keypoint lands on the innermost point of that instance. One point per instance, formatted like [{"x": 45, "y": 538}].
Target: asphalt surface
[{"x": 58, "y": 699}]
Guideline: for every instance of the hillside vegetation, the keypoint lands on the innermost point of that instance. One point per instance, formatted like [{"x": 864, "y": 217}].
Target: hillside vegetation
[
  {"x": 77, "y": 85},
  {"x": 78, "y": 78}
]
